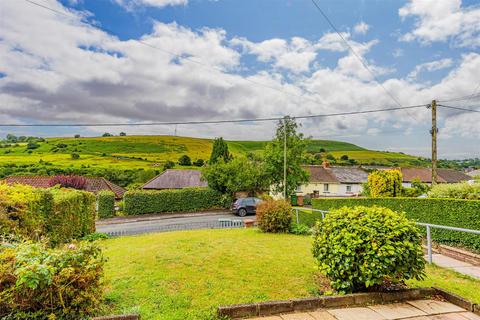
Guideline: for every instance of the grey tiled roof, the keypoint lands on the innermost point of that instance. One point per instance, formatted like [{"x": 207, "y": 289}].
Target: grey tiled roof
[{"x": 176, "y": 179}]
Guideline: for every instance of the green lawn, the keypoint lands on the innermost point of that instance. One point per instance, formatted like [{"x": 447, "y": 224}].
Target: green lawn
[{"x": 186, "y": 275}]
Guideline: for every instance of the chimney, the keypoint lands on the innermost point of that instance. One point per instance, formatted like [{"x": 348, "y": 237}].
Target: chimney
[{"x": 326, "y": 164}]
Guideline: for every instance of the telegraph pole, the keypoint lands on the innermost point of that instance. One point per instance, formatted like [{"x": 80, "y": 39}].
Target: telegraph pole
[
  {"x": 434, "y": 132},
  {"x": 285, "y": 159}
]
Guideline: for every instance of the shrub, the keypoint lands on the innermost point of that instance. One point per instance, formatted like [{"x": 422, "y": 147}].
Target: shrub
[
  {"x": 41, "y": 283},
  {"x": 307, "y": 200},
  {"x": 106, "y": 204},
  {"x": 385, "y": 183},
  {"x": 359, "y": 248},
  {"x": 75, "y": 182},
  {"x": 168, "y": 165},
  {"x": 456, "y": 190},
  {"x": 199, "y": 163},
  {"x": 75, "y": 156},
  {"x": 188, "y": 199},
  {"x": 449, "y": 212},
  {"x": 185, "y": 160},
  {"x": 274, "y": 216},
  {"x": 344, "y": 157},
  {"x": 300, "y": 229}
]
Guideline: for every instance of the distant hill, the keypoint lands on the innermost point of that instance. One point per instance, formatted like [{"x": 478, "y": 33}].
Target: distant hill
[{"x": 135, "y": 152}]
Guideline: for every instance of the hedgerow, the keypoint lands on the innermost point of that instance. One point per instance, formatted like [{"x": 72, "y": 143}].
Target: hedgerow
[
  {"x": 188, "y": 199},
  {"x": 58, "y": 214},
  {"x": 449, "y": 212},
  {"x": 37, "y": 282},
  {"x": 359, "y": 248},
  {"x": 456, "y": 190},
  {"x": 106, "y": 204},
  {"x": 274, "y": 216}
]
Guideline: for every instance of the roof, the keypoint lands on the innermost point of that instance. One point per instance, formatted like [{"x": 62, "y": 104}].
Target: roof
[
  {"x": 176, "y": 179},
  {"x": 425, "y": 175},
  {"x": 336, "y": 174},
  {"x": 474, "y": 173},
  {"x": 94, "y": 184}
]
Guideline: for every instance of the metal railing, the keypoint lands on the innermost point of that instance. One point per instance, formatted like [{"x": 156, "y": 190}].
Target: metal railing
[
  {"x": 219, "y": 224},
  {"x": 428, "y": 227}
]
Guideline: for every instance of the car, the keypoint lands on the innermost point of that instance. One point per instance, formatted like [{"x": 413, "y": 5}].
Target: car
[{"x": 244, "y": 206}]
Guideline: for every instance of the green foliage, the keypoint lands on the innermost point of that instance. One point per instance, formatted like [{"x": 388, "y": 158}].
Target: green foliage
[
  {"x": 344, "y": 157},
  {"x": 296, "y": 151},
  {"x": 95, "y": 236},
  {"x": 168, "y": 165},
  {"x": 300, "y": 229},
  {"x": 307, "y": 200},
  {"x": 199, "y": 163},
  {"x": 239, "y": 174},
  {"x": 185, "y": 160},
  {"x": 219, "y": 151},
  {"x": 106, "y": 204},
  {"x": 188, "y": 199},
  {"x": 122, "y": 134},
  {"x": 448, "y": 212},
  {"x": 385, "y": 183},
  {"x": 359, "y": 248},
  {"x": 58, "y": 214},
  {"x": 274, "y": 216},
  {"x": 330, "y": 157},
  {"x": 456, "y": 190},
  {"x": 32, "y": 145},
  {"x": 75, "y": 156},
  {"x": 37, "y": 282},
  {"x": 418, "y": 188},
  {"x": 106, "y": 134}
]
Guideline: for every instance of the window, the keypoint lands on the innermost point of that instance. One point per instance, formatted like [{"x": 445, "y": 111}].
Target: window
[
  {"x": 325, "y": 187},
  {"x": 298, "y": 189},
  {"x": 316, "y": 193},
  {"x": 349, "y": 188},
  {"x": 249, "y": 201}
]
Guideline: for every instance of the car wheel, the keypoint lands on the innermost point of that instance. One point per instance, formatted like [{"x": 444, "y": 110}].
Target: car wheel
[{"x": 242, "y": 212}]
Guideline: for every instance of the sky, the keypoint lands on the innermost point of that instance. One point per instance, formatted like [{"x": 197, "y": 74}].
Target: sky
[{"x": 124, "y": 61}]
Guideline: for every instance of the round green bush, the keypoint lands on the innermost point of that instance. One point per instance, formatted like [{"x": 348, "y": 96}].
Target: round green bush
[
  {"x": 274, "y": 216},
  {"x": 361, "y": 248}
]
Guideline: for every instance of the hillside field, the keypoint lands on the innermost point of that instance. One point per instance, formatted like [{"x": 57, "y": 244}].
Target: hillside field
[{"x": 147, "y": 152}]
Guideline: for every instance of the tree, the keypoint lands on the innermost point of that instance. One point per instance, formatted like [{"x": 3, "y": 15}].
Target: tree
[
  {"x": 296, "y": 146},
  {"x": 199, "y": 163},
  {"x": 32, "y": 145},
  {"x": 219, "y": 151},
  {"x": 322, "y": 150},
  {"x": 168, "y": 165},
  {"x": 11, "y": 138},
  {"x": 123, "y": 134},
  {"x": 239, "y": 174},
  {"x": 185, "y": 160},
  {"x": 330, "y": 157},
  {"x": 106, "y": 134},
  {"x": 76, "y": 136},
  {"x": 344, "y": 157},
  {"x": 385, "y": 183},
  {"x": 75, "y": 156}
]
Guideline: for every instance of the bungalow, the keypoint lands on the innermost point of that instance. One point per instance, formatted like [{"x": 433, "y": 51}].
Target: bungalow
[
  {"x": 425, "y": 176},
  {"x": 93, "y": 184},
  {"x": 176, "y": 179},
  {"x": 327, "y": 181}
]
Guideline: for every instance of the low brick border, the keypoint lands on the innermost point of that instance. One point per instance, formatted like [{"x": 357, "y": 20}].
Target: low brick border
[
  {"x": 459, "y": 254},
  {"x": 458, "y": 300},
  {"x": 239, "y": 311},
  {"x": 120, "y": 317}
]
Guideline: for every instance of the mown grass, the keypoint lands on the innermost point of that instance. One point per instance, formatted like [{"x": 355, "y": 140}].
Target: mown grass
[{"x": 186, "y": 275}]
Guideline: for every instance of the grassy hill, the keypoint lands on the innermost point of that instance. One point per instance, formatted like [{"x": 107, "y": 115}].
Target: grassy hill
[{"x": 137, "y": 152}]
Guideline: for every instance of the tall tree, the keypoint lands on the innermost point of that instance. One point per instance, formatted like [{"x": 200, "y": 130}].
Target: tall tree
[
  {"x": 219, "y": 151},
  {"x": 296, "y": 148}
]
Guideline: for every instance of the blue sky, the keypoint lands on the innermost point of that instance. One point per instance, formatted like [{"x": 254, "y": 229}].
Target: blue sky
[{"x": 56, "y": 68}]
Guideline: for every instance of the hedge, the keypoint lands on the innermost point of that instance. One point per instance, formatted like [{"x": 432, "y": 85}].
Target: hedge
[
  {"x": 106, "y": 204},
  {"x": 58, "y": 214},
  {"x": 449, "y": 212},
  {"x": 188, "y": 199}
]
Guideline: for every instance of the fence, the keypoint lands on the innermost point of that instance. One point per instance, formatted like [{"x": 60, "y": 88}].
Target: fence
[
  {"x": 220, "y": 224},
  {"x": 428, "y": 227}
]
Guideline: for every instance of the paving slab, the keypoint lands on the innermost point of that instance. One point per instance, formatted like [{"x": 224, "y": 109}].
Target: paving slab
[
  {"x": 434, "y": 306},
  {"x": 457, "y": 265},
  {"x": 267, "y": 318},
  {"x": 356, "y": 314},
  {"x": 447, "y": 316},
  {"x": 471, "y": 316},
  {"x": 322, "y": 315},
  {"x": 297, "y": 316},
  {"x": 397, "y": 311}
]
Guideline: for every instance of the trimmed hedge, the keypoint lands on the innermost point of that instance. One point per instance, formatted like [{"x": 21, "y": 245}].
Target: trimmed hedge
[
  {"x": 58, "y": 214},
  {"x": 188, "y": 199},
  {"x": 106, "y": 204},
  {"x": 449, "y": 212}
]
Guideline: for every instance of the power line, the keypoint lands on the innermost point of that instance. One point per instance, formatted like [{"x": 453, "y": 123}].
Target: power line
[
  {"x": 365, "y": 65},
  {"x": 207, "y": 121},
  {"x": 175, "y": 55},
  {"x": 458, "y": 108}
]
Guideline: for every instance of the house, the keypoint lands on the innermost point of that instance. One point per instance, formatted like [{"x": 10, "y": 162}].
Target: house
[
  {"x": 176, "y": 179},
  {"x": 474, "y": 173},
  {"x": 93, "y": 184},
  {"x": 327, "y": 181},
  {"x": 425, "y": 176}
]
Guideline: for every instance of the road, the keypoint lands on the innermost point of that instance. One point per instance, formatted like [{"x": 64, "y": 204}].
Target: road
[{"x": 163, "y": 222}]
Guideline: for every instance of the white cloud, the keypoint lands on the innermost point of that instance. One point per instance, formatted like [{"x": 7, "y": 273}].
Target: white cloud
[
  {"x": 397, "y": 53},
  {"x": 131, "y": 4},
  {"x": 430, "y": 66},
  {"x": 442, "y": 21},
  {"x": 361, "y": 28}
]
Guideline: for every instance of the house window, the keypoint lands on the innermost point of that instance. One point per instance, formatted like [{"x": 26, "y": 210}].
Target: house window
[
  {"x": 298, "y": 189},
  {"x": 325, "y": 187},
  {"x": 349, "y": 188},
  {"x": 316, "y": 193}
]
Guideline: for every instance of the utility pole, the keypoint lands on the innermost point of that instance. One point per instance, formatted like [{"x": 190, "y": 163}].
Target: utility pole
[
  {"x": 285, "y": 159},
  {"x": 434, "y": 132}
]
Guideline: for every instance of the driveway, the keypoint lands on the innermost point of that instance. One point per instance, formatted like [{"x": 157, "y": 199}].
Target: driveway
[{"x": 169, "y": 222}]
